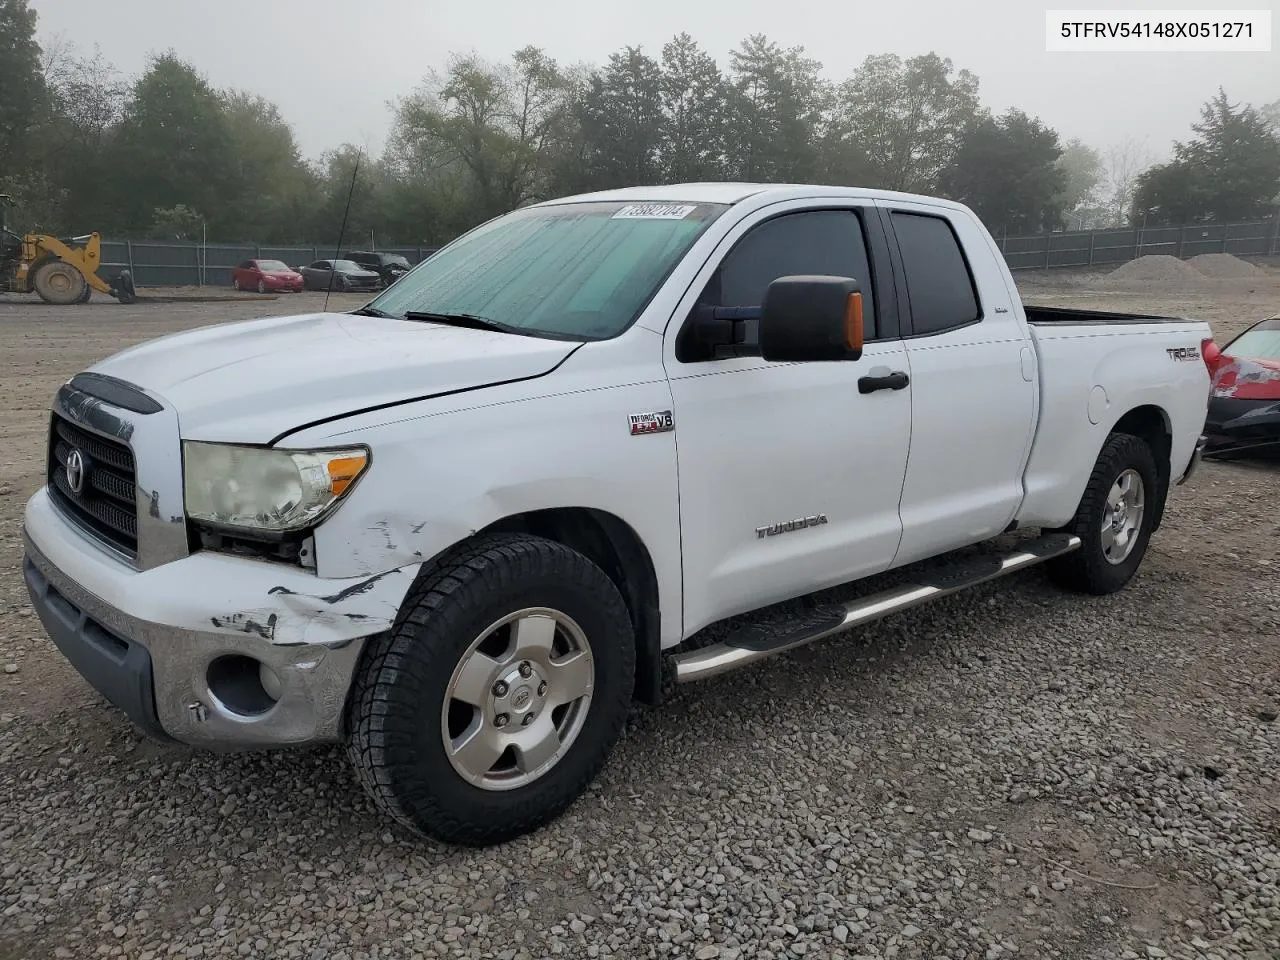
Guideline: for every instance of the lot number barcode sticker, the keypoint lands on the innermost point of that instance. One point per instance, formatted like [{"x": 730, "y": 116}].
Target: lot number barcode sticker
[{"x": 655, "y": 211}]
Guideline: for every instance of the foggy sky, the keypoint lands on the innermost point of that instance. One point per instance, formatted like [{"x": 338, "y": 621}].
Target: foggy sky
[{"x": 332, "y": 65}]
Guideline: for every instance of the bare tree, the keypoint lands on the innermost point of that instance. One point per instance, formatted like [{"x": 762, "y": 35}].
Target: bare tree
[
  {"x": 88, "y": 92},
  {"x": 1125, "y": 162}
]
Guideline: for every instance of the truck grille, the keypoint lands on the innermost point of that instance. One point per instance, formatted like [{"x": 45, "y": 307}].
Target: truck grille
[{"x": 106, "y": 503}]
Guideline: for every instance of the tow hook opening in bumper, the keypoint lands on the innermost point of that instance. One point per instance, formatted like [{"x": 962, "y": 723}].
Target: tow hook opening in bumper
[{"x": 243, "y": 685}]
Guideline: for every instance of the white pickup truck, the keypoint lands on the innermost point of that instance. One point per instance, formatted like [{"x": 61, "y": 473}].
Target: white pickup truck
[{"x": 463, "y": 528}]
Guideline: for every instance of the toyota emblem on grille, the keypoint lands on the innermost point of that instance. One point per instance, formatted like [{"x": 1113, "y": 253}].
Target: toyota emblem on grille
[{"x": 75, "y": 472}]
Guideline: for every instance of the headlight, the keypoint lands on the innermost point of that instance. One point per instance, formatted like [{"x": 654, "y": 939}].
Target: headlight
[{"x": 266, "y": 490}]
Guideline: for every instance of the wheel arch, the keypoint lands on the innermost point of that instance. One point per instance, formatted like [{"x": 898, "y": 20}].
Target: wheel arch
[
  {"x": 613, "y": 545},
  {"x": 1151, "y": 424}
]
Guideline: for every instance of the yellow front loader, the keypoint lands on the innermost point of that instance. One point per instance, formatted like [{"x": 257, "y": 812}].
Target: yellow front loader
[{"x": 59, "y": 271}]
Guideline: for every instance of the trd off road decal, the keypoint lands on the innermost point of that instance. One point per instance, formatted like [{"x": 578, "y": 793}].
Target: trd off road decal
[
  {"x": 1186, "y": 354},
  {"x": 660, "y": 422}
]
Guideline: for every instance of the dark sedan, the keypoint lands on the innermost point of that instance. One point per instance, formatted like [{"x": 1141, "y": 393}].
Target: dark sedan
[
  {"x": 345, "y": 276},
  {"x": 389, "y": 266},
  {"x": 1244, "y": 405}
]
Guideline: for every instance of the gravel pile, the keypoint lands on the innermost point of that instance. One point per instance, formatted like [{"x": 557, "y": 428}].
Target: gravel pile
[
  {"x": 1157, "y": 269},
  {"x": 1224, "y": 266}
]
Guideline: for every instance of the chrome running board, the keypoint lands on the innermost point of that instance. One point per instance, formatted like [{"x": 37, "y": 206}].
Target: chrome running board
[{"x": 757, "y": 641}]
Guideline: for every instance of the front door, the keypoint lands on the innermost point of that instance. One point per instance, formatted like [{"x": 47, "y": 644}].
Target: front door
[{"x": 789, "y": 476}]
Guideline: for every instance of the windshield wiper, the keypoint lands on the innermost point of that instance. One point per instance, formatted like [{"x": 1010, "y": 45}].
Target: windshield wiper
[
  {"x": 467, "y": 320},
  {"x": 374, "y": 312}
]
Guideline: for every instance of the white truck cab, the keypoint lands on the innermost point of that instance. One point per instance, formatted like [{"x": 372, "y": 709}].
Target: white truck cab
[{"x": 463, "y": 528}]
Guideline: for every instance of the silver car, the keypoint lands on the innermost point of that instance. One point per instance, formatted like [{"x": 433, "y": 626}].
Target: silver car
[{"x": 345, "y": 276}]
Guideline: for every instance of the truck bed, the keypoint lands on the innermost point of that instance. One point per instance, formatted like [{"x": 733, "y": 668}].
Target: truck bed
[{"x": 1042, "y": 315}]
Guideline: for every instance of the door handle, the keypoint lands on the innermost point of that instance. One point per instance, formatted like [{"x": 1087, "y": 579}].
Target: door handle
[{"x": 893, "y": 381}]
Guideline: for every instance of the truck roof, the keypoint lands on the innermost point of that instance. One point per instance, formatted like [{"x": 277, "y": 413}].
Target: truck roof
[{"x": 735, "y": 192}]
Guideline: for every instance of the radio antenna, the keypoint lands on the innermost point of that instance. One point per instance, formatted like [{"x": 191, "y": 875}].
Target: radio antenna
[{"x": 343, "y": 229}]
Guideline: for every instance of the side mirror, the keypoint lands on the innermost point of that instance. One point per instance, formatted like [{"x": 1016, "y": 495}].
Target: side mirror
[{"x": 811, "y": 318}]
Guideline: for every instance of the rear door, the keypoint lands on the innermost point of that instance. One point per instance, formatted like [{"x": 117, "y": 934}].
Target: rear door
[
  {"x": 974, "y": 387},
  {"x": 789, "y": 474}
]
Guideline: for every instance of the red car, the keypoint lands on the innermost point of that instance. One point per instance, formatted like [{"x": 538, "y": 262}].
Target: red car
[
  {"x": 264, "y": 275},
  {"x": 1244, "y": 407}
]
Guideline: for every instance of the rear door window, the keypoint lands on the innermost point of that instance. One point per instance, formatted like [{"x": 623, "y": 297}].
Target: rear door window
[{"x": 940, "y": 287}]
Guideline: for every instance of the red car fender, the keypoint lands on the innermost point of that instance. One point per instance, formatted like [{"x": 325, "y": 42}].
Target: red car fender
[{"x": 1245, "y": 379}]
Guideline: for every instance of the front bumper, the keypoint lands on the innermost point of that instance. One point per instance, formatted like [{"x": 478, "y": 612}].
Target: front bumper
[{"x": 164, "y": 647}]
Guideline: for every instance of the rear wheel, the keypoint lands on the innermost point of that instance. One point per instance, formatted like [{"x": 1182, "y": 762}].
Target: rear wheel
[
  {"x": 59, "y": 282},
  {"x": 1114, "y": 520},
  {"x": 235, "y": 283},
  {"x": 498, "y": 695}
]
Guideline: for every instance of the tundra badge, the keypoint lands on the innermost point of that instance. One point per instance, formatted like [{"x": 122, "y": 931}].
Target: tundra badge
[{"x": 773, "y": 529}]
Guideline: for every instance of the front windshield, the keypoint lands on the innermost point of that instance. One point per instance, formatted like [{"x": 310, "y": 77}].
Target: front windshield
[
  {"x": 271, "y": 265},
  {"x": 1260, "y": 343},
  {"x": 579, "y": 270}
]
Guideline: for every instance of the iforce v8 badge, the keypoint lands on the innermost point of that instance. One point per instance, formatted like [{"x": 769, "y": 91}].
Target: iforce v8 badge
[{"x": 660, "y": 422}]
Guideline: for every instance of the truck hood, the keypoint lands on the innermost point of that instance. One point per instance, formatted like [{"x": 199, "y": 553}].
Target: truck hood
[{"x": 250, "y": 381}]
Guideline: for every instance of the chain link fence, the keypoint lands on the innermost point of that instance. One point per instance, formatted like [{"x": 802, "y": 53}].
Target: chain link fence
[
  {"x": 177, "y": 264},
  {"x": 1087, "y": 248}
]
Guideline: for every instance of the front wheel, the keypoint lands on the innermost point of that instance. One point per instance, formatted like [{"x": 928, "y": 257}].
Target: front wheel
[
  {"x": 58, "y": 282},
  {"x": 262, "y": 286},
  {"x": 498, "y": 695},
  {"x": 1114, "y": 520}
]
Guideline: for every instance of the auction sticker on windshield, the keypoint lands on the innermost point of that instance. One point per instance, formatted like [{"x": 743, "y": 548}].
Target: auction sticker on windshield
[{"x": 655, "y": 211}]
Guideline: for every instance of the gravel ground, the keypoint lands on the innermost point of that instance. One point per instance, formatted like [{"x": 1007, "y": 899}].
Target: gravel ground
[{"x": 1013, "y": 772}]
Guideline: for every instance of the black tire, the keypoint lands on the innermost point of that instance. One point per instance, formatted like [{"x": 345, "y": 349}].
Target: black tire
[
  {"x": 58, "y": 282},
  {"x": 395, "y": 722},
  {"x": 262, "y": 286},
  {"x": 123, "y": 288},
  {"x": 1088, "y": 570},
  {"x": 87, "y": 295},
  {"x": 235, "y": 284}
]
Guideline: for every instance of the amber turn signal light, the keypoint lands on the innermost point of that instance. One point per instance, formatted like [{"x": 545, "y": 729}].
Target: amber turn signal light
[
  {"x": 853, "y": 322},
  {"x": 343, "y": 472}
]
